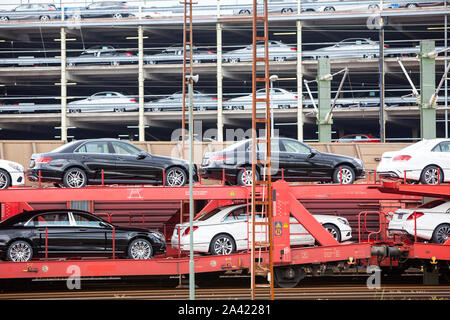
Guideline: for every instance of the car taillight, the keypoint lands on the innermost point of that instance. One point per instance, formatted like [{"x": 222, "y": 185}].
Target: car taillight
[
  {"x": 188, "y": 230},
  {"x": 401, "y": 158},
  {"x": 218, "y": 158},
  {"x": 210, "y": 51},
  {"x": 294, "y": 49},
  {"x": 415, "y": 215},
  {"x": 43, "y": 160},
  {"x": 133, "y": 100},
  {"x": 215, "y": 98},
  {"x": 296, "y": 97},
  {"x": 124, "y": 7},
  {"x": 128, "y": 53}
]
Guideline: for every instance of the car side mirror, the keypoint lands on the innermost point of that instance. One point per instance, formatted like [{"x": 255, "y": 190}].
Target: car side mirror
[
  {"x": 105, "y": 225},
  {"x": 142, "y": 155},
  {"x": 313, "y": 153}
]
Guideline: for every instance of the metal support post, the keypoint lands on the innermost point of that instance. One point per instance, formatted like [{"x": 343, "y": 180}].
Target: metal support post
[
  {"x": 219, "y": 84},
  {"x": 299, "y": 81},
  {"x": 191, "y": 191},
  {"x": 324, "y": 96},
  {"x": 63, "y": 85},
  {"x": 141, "y": 83},
  {"x": 427, "y": 89},
  {"x": 382, "y": 79}
]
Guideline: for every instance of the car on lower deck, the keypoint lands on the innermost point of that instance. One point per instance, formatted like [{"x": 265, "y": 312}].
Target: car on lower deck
[
  {"x": 430, "y": 221},
  {"x": 110, "y": 161},
  {"x": 225, "y": 230},
  {"x": 291, "y": 160},
  {"x": 11, "y": 174},
  {"x": 63, "y": 232}
]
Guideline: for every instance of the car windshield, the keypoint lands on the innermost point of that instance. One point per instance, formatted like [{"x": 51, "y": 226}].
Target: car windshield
[
  {"x": 60, "y": 148},
  {"x": 432, "y": 204}
]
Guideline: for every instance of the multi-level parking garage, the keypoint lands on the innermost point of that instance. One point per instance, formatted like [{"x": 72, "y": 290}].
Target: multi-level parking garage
[{"x": 45, "y": 65}]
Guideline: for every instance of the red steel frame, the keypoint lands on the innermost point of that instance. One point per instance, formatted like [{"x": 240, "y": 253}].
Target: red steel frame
[{"x": 285, "y": 201}]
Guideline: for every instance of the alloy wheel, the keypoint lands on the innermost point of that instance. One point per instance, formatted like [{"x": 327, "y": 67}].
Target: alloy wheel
[
  {"x": 223, "y": 246},
  {"x": 431, "y": 176},
  {"x": 4, "y": 180},
  {"x": 20, "y": 251},
  {"x": 75, "y": 179},
  {"x": 141, "y": 250},
  {"x": 176, "y": 177},
  {"x": 442, "y": 233},
  {"x": 346, "y": 177},
  {"x": 246, "y": 177}
]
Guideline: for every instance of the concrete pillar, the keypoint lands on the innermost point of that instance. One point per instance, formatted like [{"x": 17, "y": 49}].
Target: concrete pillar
[
  {"x": 141, "y": 83},
  {"x": 63, "y": 86},
  {"x": 299, "y": 83},
  {"x": 219, "y": 84},
  {"x": 427, "y": 89},
  {"x": 324, "y": 97}
]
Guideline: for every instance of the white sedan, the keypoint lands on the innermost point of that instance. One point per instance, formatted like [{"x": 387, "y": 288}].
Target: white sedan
[
  {"x": 11, "y": 174},
  {"x": 430, "y": 221},
  {"x": 104, "y": 101},
  {"x": 225, "y": 230},
  {"x": 278, "y": 51},
  {"x": 427, "y": 161},
  {"x": 280, "y": 98}
]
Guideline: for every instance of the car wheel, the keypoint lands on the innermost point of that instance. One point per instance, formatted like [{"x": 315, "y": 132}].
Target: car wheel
[
  {"x": 441, "y": 233},
  {"x": 244, "y": 177},
  {"x": 430, "y": 175},
  {"x": 19, "y": 251},
  {"x": 333, "y": 230},
  {"x": 115, "y": 63},
  {"x": 222, "y": 244},
  {"x": 140, "y": 249},
  {"x": 4, "y": 19},
  {"x": 74, "y": 178},
  {"x": 44, "y": 18},
  {"x": 5, "y": 179},
  {"x": 176, "y": 177},
  {"x": 348, "y": 175},
  {"x": 117, "y": 16},
  {"x": 329, "y": 9},
  {"x": 373, "y": 7},
  {"x": 411, "y": 5}
]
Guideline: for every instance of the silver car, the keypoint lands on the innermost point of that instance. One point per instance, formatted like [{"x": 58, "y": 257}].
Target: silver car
[
  {"x": 37, "y": 11},
  {"x": 348, "y": 48},
  {"x": 345, "y": 5},
  {"x": 202, "y": 101},
  {"x": 280, "y": 98},
  {"x": 103, "y": 102},
  {"x": 278, "y": 51},
  {"x": 174, "y": 54}
]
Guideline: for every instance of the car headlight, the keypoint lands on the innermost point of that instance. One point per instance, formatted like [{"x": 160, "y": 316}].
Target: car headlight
[
  {"x": 343, "y": 220},
  {"x": 15, "y": 166},
  {"x": 359, "y": 161}
]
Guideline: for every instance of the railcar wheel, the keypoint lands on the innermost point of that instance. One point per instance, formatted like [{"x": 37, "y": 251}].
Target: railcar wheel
[{"x": 288, "y": 277}]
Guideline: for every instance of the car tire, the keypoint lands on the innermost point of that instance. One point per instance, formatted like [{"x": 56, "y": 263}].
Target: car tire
[
  {"x": 4, "y": 19},
  {"x": 74, "y": 178},
  {"x": 117, "y": 16},
  {"x": 348, "y": 175},
  {"x": 175, "y": 177},
  {"x": 45, "y": 18},
  {"x": 411, "y": 5},
  {"x": 19, "y": 251},
  {"x": 441, "y": 233},
  {"x": 244, "y": 177},
  {"x": 329, "y": 9},
  {"x": 429, "y": 175},
  {"x": 5, "y": 179},
  {"x": 222, "y": 244},
  {"x": 333, "y": 230},
  {"x": 140, "y": 249}
]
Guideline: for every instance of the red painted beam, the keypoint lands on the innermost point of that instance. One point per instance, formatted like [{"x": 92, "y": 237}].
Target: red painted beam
[{"x": 434, "y": 191}]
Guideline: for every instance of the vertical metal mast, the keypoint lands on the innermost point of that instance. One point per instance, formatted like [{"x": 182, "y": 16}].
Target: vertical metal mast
[
  {"x": 261, "y": 205},
  {"x": 188, "y": 68}
]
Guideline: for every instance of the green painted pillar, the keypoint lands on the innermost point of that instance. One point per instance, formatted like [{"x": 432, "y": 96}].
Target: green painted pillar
[
  {"x": 427, "y": 89},
  {"x": 324, "y": 97}
]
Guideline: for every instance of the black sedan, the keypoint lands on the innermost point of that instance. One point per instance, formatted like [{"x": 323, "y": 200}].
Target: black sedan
[
  {"x": 74, "y": 233},
  {"x": 291, "y": 158},
  {"x": 110, "y": 161}
]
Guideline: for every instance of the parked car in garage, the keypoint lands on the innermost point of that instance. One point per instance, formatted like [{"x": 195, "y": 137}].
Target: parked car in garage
[
  {"x": 347, "y": 48},
  {"x": 102, "y": 54},
  {"x": 11, "y": 174},
  {"x": 278, "y": 51},
  {"x": 74, "y": 233},
  {"x": 426, "y": 161},
  {"x": 411, "y": 4},
  {"x": 280, "y": 99},
  {"x": 224, "y": 230},
  {"x": 104, "y": 101},
  {"x": 342, "y": 5},
  {"x": 202, "y": 102},
  {"x": 299, "y": 162},
  {"x": 111, "y": 161},
  {"x": 33, "y": 11},
  {"x": 430, "y": 221},
  {"x": 174, "y": 54},
  {"x": 104, "y": 9},
  {"x": 359, "y": 137}
]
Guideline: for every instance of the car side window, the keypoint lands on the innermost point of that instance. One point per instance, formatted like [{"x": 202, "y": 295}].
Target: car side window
[
  {"x": 85, "y": 221},
  {"x": 237, "y": 215},
  {"x": 60, "y": 219},
  {"x": 293, "y": 146},
  {"x": 125, "y": 148},
  {"x": 93, "y": 147},
  {"x": 442, "y": 147}
]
